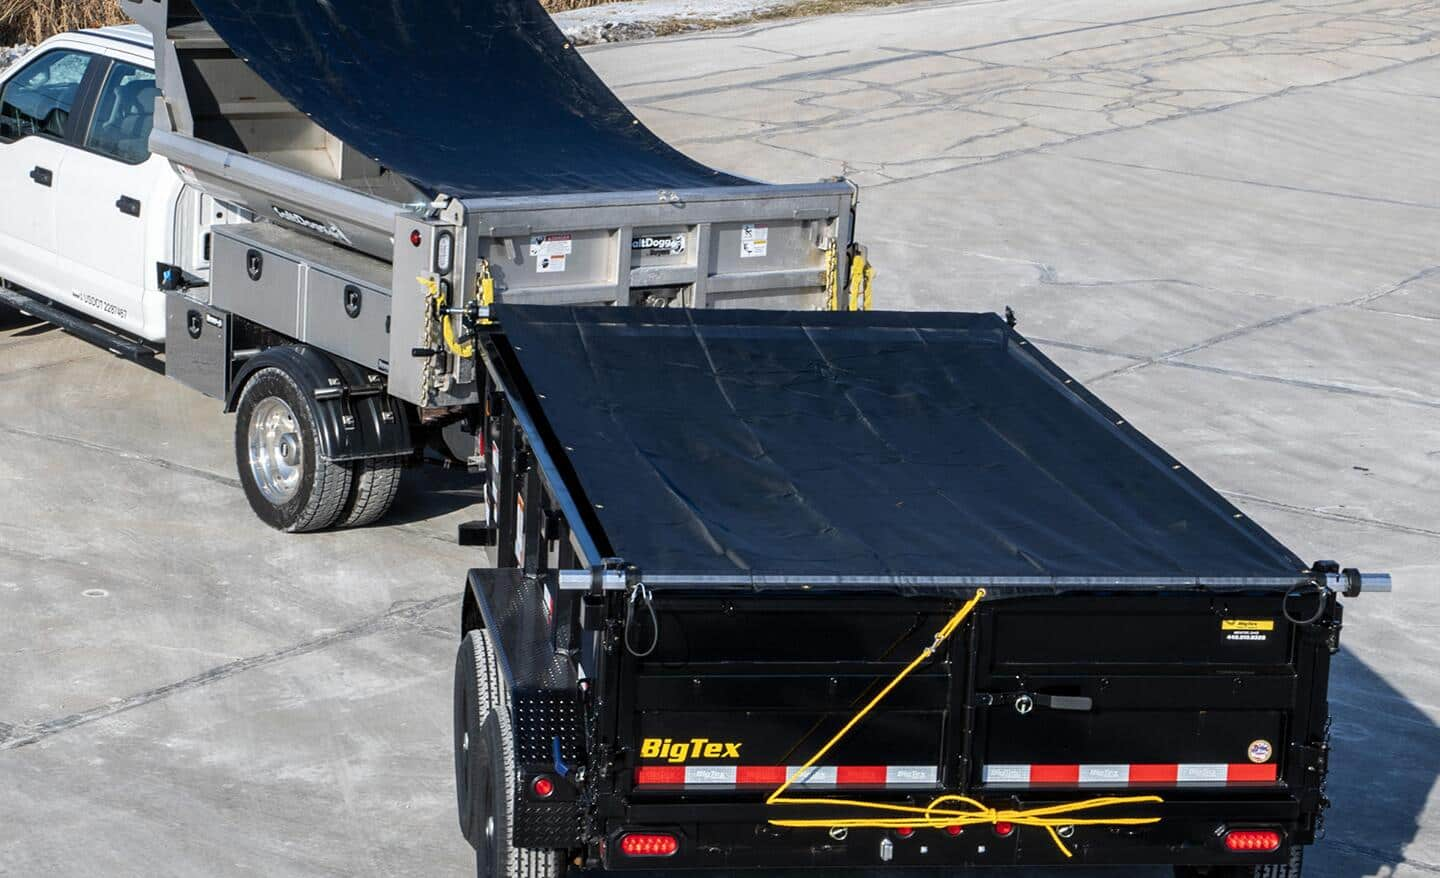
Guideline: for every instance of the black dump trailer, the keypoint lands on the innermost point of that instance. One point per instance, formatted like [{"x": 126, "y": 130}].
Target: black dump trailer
[{"x": 878, "y": 592}]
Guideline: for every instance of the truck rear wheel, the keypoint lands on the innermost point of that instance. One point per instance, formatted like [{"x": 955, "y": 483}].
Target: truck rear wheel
[
  {"x": 372, "y": 491},
  {"x": 289, "y": 485},
  {"x": 485, "y": 767}
]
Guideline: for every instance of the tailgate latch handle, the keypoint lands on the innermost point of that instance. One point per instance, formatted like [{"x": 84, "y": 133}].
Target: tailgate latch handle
[{"x": 1025, "y": 702}]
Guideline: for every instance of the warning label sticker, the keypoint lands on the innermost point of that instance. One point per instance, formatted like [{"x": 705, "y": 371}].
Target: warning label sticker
[
  {"x": 754, "y": 241},
  {"x": 551, "y": 252},
  {"x": 1247, "y": 629}
]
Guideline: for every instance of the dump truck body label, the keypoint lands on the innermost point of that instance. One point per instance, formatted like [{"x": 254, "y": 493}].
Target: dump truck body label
[
  {"x": 669, "y": 245},
  {"x": 551, "y": 252},
  {"x": 754, "y": 241}
]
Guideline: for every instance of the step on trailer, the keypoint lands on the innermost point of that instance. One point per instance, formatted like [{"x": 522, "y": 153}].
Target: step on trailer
[
  {"x": 359, "y": 182},
  {"x": 867, "y": 591}
]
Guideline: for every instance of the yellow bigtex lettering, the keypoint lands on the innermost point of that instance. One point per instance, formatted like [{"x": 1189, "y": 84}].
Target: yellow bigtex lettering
[{"x": 677, "y": 752}]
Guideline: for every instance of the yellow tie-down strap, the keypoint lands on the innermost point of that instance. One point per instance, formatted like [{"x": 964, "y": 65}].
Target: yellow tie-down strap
[{"x": 949, "y": 809}]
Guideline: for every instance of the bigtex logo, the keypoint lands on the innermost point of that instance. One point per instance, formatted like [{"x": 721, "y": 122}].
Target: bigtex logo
[{"x": 682, "y": 751}]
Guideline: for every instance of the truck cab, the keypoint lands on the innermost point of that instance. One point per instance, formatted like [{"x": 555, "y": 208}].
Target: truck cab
[{"x": 89, "y": 209}]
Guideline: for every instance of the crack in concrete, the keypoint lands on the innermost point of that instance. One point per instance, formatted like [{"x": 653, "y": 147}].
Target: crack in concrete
[
  {"x": 400, "y": 614},
  {"x": 1329, "y": 193},
  {"x": 1328, "y": 515},
  {"x": 87, "y": 445}
]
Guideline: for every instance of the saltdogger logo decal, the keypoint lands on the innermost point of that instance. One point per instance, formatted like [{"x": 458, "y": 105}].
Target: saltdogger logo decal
[{"x": 677, "y": 752}]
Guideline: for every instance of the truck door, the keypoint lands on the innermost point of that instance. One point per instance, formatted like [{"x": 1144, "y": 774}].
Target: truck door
[
  {"x": 116, "y": 201},
  {"x": 36, "y": 107}
]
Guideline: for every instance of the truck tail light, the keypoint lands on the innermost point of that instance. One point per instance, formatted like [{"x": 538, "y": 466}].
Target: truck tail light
[
  {"x": 648, "y": 844},
  {"x": 1252, "y": 840}
]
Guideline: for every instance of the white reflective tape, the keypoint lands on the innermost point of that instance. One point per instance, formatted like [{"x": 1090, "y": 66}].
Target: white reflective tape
[
  {"x": 912, "y": 775},
  {"x": 819, "y": 776},
  {"x": 710, "y": 774},
  {"x": 1105, "y": 774},
  {"x": 1006, "y": 774},
  {"x": 1202, "y": 774}
]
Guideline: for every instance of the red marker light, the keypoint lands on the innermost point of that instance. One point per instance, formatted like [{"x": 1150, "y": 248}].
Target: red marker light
[
  {"x": 954, "y": 831},
  {"x": 543, "y": 787},
  {"x": 1252, "y": 840},
  {"x": 416, "y": 239},
  {"x": 904, "y": 832},
  {"x": 648, "y": 844},
  {"x": 1004, "y": 829}
]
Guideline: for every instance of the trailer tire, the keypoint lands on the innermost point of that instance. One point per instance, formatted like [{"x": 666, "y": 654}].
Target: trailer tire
[
  {"x": 289, "y": 484},
  {"x": 485, "y": 773},
  {"x": 373, "y": 487},
  {"x": 1291, "y": 868}
]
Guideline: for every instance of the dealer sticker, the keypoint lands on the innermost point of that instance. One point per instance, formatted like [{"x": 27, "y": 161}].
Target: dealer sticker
[
  {"x": 1260, "y": 751},
  {"x": 659, "y": 245},
  {"x": 1247, "y": 629}
]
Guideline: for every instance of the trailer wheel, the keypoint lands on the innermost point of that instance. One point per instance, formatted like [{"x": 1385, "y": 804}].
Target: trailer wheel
[
  {"x": 485, "y": 775},
  {"x": 289, "y": 485},
  {"x": 372, "y": 491},
  {"x": 1289, "y": 869}
]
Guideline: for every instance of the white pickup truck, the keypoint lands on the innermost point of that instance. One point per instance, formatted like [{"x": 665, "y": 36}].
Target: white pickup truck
[
  {"x": 88, "y": 211},
  {"x": 291, "y": 235}
]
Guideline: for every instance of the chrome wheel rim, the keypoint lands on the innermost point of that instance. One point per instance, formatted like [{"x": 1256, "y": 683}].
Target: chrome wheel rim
[{"x": 277, "y": 451}]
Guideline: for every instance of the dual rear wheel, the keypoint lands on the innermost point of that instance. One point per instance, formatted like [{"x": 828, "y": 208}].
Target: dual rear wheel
[{"x": 289, "y": 484}]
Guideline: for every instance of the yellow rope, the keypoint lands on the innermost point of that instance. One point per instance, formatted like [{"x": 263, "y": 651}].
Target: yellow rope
[{"x": 935, "y": 815}]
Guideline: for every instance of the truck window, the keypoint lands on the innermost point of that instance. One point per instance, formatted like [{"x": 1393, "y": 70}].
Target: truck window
[
  {"x": 39, "y": 98},
  {"x": 124, "y": 114}
]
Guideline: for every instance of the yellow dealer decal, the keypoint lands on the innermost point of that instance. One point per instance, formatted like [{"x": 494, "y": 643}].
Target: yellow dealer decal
[{"x": 1247, "y": 625}]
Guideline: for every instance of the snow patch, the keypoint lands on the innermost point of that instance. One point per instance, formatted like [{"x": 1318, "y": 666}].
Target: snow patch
[
  {"x": 639, "y": 19},
  {"x": 10, "y": 54}
]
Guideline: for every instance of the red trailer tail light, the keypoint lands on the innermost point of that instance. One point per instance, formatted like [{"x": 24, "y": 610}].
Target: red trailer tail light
[
  {"x": 954, "y": 831},
  {"x": 648, "y": 844},
  {"x": 1004, "y": 829},
  {"x": 1252, "y": 840},
  {"x": 904, "y": 832},
  {"x": 543, "y": 787}
]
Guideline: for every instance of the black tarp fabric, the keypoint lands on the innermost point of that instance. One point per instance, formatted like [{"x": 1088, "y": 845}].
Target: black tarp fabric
[
  {"x": 882, "y": 444},
  {"x": 466, "y": 97}
]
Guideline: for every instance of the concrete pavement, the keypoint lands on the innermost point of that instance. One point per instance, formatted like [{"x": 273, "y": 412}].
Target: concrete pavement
[{"x": 1224, "y": 217}]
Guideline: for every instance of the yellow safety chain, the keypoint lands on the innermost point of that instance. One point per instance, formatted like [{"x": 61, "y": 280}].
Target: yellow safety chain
[
  {"x": 832, "y": 277},
  {"x": 862, "y": 283},
  {"x": 439, "y": 302},
  {"x": 942, "y": 811}
]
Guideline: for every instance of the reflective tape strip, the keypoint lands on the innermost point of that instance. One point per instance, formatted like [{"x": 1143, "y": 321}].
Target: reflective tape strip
[
  {"x": 1129, "y": 774},
  {"x": 772, "y": 776}
]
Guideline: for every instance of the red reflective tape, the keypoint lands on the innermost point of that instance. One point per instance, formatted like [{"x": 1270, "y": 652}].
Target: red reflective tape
[
  {"x": 1246, "y": 773},
  {"x": 1153, "y": 773},
  {"x": 760, "y": 775},
  {"x": 860, "y": 775},
  {"x": 655, "y": 775},
  {"x": 1054, "y": 774}
]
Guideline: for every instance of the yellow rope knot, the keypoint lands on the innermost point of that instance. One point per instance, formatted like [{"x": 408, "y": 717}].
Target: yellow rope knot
[{"x": 941, "y": 813}]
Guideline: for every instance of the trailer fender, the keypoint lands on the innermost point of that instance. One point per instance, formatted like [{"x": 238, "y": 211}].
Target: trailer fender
[
  {"x": 544, "y": 691},
  {"x": 357, "y": 418}
]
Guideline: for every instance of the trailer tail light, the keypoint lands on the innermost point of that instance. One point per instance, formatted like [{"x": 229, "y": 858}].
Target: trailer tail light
[
  {"x": 904, "y": 832},
  {"x": 1004, "y": 829},
  {"x": 543, "y": 787},
  {"x": 1252, "y": 840},
  {"x": 649, "y": 844},
  {"x": 954, "y": 831}
]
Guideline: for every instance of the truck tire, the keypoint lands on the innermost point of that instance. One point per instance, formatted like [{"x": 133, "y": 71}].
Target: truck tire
[
  {"x": 1289, "y": 869},
  {"x": 373, "y": 487},
  {"x": 485, "y": 774},
  {"x": 277, "y": 452}
]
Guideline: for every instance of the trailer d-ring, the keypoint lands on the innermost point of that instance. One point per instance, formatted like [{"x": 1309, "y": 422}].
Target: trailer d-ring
[{"x": 1320, "y": 592}]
